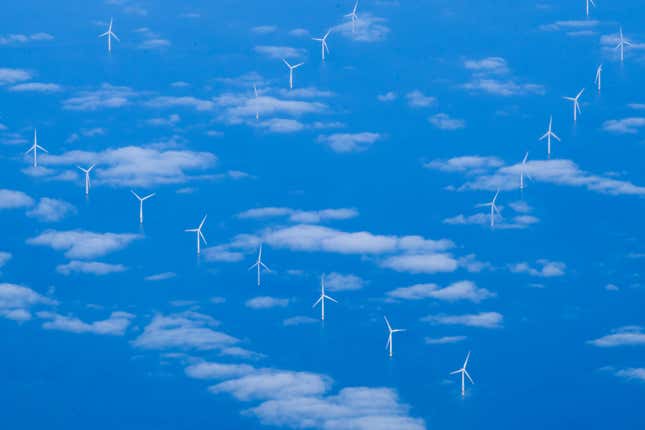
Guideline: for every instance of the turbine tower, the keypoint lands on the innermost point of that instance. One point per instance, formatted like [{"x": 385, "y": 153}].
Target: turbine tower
[
  {"x": 353, "y": 16},
  {"x": 598, "y": 79},
  {"x": 259, "y": 264},
  {"x": 322, "y": 298},
  {"x": 199, "y": 234},
  {"x": 493, "y": 208},
  {"x": 390, "y": 332},
  {"x": 110, "y": 34},
  {"x": 622, "y": 42},
  {"x": 464, "y": 373},
  {"x": 291, "y": 69},
  {"x": 323, "y": 44},
  {"x": 141, "y": 200},
  {"x": 548, "y": 135},
  {"x": 87, "y": 177},
  {"x": 35, "y": 147},
  {"x": 592, "y": 3},
  {"x": 576, "y": 104}
]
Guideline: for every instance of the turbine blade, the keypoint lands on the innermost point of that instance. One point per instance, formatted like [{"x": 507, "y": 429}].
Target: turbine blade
[
  {"x": 135, "y": 194},
  {"x": 317, "y": 301},
  {"x": 332, "y": 299},
  {"x": 253, "y": 266},
  {"x": 203, "y": 238},
  {"x": 469, "y": 378},
  {"x": 116, "y": 37},
  {"x": 265, "y": 266},
  {"x": 388, "y": 323}
]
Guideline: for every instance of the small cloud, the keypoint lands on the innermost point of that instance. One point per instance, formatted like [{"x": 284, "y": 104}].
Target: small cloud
[
  {"x": 83, "y": 244},
  {"x": 12, "y": 199},
  {"x": 462, "y": 290},
  {"x": 282, "y": 125},
  {"x": 624, "y": 336},
  {"x": 482, "y": 319},
  {"x": 89, "y": 268},
  {"x": 630, "y": 125},
  {"x": 469, "y": 164},
  {"x": 115, "y": 325},
  {"x": 338, "y": 282},
  {"x": 545, "y": 269},
  {"x": 36, "y": 87},
  {"x": 266, "y": 302},
  {"x": 417, "y": 99},
  {"x": 611, "y": 287},
  {"x": 298, "y": 320},
  {"x": 51, "y": 210},
  {"x": 444, "y": 340},
  {"x": 387, "y": 97},
  {"x": 280, "y": 52},
  {"x": 443, "y": 121},
  {"x": 12, "y": 76},
  {"x": 349, "y": 142},
  {"x": 160, "y": 276},
  {"x": 264, "y": 29},
  {"x": 16, "y": 39}
]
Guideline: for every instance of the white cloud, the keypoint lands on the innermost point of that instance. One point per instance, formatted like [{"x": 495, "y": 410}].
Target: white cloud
[
  {"x": 211, "y": 370},
  {"x": 421, "y": 263},
  {"x": 12, "y": 199},
  {"x": 417, "y": 99},
  {"x": 368, "y": 28},
  {"x": 630, "y": 125},
  {"x": 444, "y": 340},
  {"x": 631, "y": 374},
  {"x": 106, "y": 97},
  {"x": 489, "y": 65},
  {"x": 468, "y": 164},
  {"x": 280, "y": 52},
  {"x": 36, "y": 87},
  {"x": 89, "y": 268},
  {"x": 300, "y": 216},
  {"x": 166, "y": 102},
  {"x": 339, "y": 282},
  {"x": 546, "y": 269},
  {"x": 14, "y": 39},
  {"x": 443, "y": 121},
  {"x": 160, "y": 276},
  {"x": 282, "y": 125},
  {"x": 264, "y": 29},
  {"x": 349, "y": 142},
  {"x": 242, "y": 108},
  {"x": 572, "y": 27},
  {"x": 274, "y": 384},
  {"x": 4, "y": 258},
  {"x": 387, "y": 97},
  {"x": 83, "y": 244},
  {"x": 298, "y": 320},
  {"x": 51, "y": 210},
  {"x": 624, "y": 336},
  {"x": 266, "y": 302},
  {"x": 462, "y": 290},
  {"x": 16, "y": 301},
  {"x": 483, "y": 219},
  {"x": 482, "y": 319},
  {"x": 11, "y": 76},
  {"x": 115, "y": 325},
  {"x": 187, "y": 330},
  {"x": 486, "y": 77}
]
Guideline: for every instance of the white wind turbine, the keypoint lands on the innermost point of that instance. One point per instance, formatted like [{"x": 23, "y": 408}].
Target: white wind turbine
[
  {"x": 622, "y": 42},
  {"x": 35, "y": 147},
  {"x": 493, "y": 208},
  {"x": 291, "y": 69},
  {"x": 389, "y": 336},
  {"x": 323, "y": 43},
  {"x": 199, "y": 234},
  {"x": 464, "y": 373},
  {"x": 353, "y": 16},
  {"x": 548, "y": 135},
  {"x": 110, "y": 34},
  {"x": 592, "y": 3},
  {"x": 141, "y": 200},
  {"x": 87, "y": 177},
  {"x": 576, "y": 104},
  {"x": 259, "y": 264},
  {"x": 598, "y": 79},
  {"x": 322, "y": 298},
  {"x": 524, "y": 171}
]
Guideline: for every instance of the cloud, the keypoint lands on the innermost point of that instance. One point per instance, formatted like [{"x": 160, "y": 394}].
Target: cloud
[
  {"x": 12, "y": 199},
  {"x": 15, "y": 39},
  {"x": 631, "y": 374},
  {"x": 298, "y": 320},
  {"x": 51, "y": 210},
  {"x": 443, "y": 121},
  {"x": 11, "y": 76},
  {"x": 280, "y": 52},
  {"x": 265, "y": 302},
  {"x": 483, "y": 219},
  {"x": 338, "y": 282},
  {"x": 166, "y": 102},
  {"x": 160, "y": 276},
  {"x": 489, "y": 65},
  {"x": 487, "y": 76},
  {"x": 89, "y": 268},
  {"x": 572, "y": 27},
  {"x": 16, "y": 301},
  {"x": 210, "y": 370},
  {"x": 36, "y": 87},
  {"x": 349, "y": 142},
  {"x": 630, "y": 125},
  {"x": 264, "y": 29},
  {"x": 482, "y": 319},
  {"x": 546, "y": 269},
  {"x": 387, "y": 97},
  {"x": 115, "y": 325},
  {"x": 421, "y": 263},
  {"x": 469, "y": 164},
  {"x": 462, "y": 290},
  {"x": 624, "y": 336},
  {"x": 299, "y": 216},
  {"x": 137, "y": 166},
  {"x": 151, "y": 39},
  {"x": 83, "y": 244},
  {"x": 106, "y": 97},
  {"x": 187, "y": 330},
  {"x": 282, "y": 125},
  {"x": 274, "y": 384},
  {"x": 242, "y": 108},
  {"x": 222, "y": 253},
  {"x": 417, "y": 99},
  {"x": 4, "y": 258},
  {"x": 444, "y": 340},
  {"x": 368, "y": 29}
]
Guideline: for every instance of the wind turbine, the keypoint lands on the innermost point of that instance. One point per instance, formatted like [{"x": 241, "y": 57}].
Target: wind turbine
[
  {"x": 141, "y": 200},
  {"x": 323, "y": 43},
  {"x": 87, "y": 177},
  {"x": 523, "y": 171},
  {"x": 291, "y": 69},
  {"x": 259, "y": 264},
  {"x": 576, "y": 104},
  {"x": 548, "y": 135},
  {"x": 35, "y": 147},
  {"x": 598, "y": 79},
  {"x": 493, "y": 208},
  {"x": 353, "y": 16},
  {"x": 622, "y": 42},
  {"x": 110, "y": 34},
  {"x": 464, "y": 373},
  {"x": 389, "y": 337},
  {"x": 322, "y": 298},
  {"x": 592, "y": 3},
  {"x": 199, "y": 234}
]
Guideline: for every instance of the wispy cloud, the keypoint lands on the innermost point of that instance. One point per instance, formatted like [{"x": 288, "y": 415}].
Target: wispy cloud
[
  {"x": 299, "y": 216},
  {"x": 20, "y": 39},
  {"x": 417, "y": 99},
  {"x": 16, "y": 301},
  {"x": 462, "y": 290},
  {"x": 11, "y": 76},
  {"x": 299, "y": 320},
  {"x": 12, "y": 199},
  {"x": 280, "y": 52},
  {"x": 160, "y": 276},
  {"x": 36, "y": 87},
  {"x": 574, "y": 28},
  {"x": 368, "y": 28},
  {"x": 83, "y": 244},
  {"x": 444, "y": 340},
  {"x": 482, "y": 319},
  {"x": 264, "y": 29},
  {"x": 493, "y": 76},
  {"x": 115, "y": 325},
  {"x": 350, "y": 142},
  {"x": 630, "y": 125},
  {"x": 545, "y": 269},
  {"x": 51, "y": 210},
  {"x": 266, "y": 302},
  {"x": 443, "y": 121},
  {"x": 106, "y": 97},
  {"x": 343, "y": 282},
  {"x": 623, "y": 336},
  {"x": 89, "y": 268}
]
